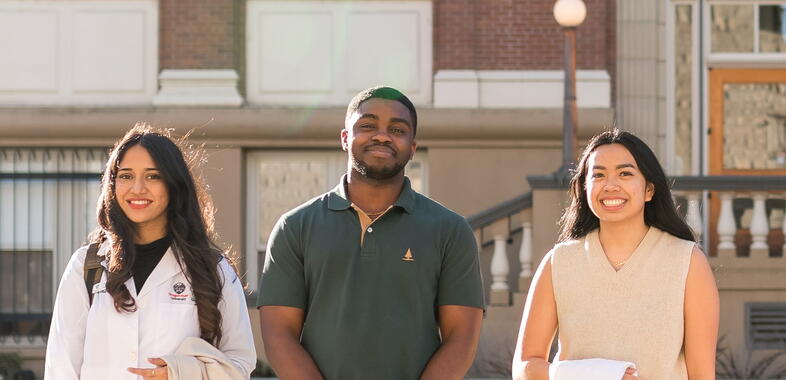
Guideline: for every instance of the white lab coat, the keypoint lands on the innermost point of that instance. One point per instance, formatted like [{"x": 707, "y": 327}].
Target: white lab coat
[{"x": 99, "y": 343}]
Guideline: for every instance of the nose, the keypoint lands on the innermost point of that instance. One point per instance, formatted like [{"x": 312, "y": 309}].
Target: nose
[
  {"x": 381, "y": 136},
  {"x": 611, "y": 184},
  {"x": 138, "y": 187}
]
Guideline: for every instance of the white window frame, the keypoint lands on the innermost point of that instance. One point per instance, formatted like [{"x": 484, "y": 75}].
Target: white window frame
[{"x": 752, "y": 60}]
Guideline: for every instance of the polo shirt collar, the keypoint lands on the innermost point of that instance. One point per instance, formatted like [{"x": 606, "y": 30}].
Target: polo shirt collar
[
  {"x": 406, "y": 199},
  {"x": 338, "y": 199}
]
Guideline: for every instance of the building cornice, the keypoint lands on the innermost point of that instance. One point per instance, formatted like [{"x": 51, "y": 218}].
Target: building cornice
[{"x": 258, "y": 123}]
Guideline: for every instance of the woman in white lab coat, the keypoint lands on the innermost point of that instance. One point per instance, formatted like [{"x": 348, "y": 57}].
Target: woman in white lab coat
[{"x": 164, "y": 279}]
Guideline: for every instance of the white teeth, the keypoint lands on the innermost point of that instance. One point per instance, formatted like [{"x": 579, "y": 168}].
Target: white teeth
[
  {"x": 613, "y": 202},
  {"x": 139, "y": 202}
]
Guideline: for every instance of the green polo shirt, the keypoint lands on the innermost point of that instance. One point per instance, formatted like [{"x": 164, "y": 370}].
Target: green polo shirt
[{"x": 371, "y": 309}]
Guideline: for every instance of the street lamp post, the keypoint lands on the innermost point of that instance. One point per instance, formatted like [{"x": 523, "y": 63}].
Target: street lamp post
[{"x": 569, "y": 14}]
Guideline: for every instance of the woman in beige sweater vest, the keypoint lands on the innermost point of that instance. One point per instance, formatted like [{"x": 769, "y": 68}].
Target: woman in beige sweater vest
[{"x": 626, "y": 282}]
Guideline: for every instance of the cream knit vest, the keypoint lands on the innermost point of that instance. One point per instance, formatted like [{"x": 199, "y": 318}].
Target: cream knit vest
[{"x": 634, "y": 314}]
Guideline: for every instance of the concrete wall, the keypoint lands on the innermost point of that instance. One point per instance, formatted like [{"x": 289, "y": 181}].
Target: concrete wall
[
  {"x": 745, "y": 280},
  {"x": 470, "y": 180},
  {"x": 223, "y": 174}
]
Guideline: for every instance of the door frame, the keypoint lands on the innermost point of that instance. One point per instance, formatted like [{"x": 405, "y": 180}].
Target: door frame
[{"x": 719, "y": 77}]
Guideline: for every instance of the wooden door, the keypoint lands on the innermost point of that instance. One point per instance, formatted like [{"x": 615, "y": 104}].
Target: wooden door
[{"x": 747, "y": 119}]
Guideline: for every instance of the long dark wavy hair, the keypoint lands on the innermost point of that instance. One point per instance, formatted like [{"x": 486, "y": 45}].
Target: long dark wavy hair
[
  {"x": 578, "y": 220},
  {"x": 189, "y": 224}
]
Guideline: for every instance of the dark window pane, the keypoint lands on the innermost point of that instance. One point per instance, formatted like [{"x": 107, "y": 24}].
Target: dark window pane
[{"x": 772, "y": 30}]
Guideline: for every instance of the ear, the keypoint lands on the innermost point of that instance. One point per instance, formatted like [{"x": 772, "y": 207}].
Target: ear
[
  {"x": 345, "y": 139},
  {"x": 650, "y": 192},
  {"x": 414, "y": 148}
]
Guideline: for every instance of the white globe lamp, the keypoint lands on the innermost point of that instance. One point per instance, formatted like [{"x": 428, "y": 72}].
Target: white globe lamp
[{"x": 570, "y": 13}]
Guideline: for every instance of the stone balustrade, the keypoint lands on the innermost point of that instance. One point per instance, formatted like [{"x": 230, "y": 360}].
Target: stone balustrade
[{"x": 748, "y": 225}]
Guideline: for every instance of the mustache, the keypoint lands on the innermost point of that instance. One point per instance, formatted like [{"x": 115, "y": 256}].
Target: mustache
[{"x": 385, "y": 145}]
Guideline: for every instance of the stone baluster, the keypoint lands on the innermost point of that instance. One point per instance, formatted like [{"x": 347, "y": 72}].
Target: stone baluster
[
  {"x": 500, "y": 268},
  {"x": 759, "y": 227},
  {"x": 727, "y": 227},
  {"x": 693, "y": 217},
  {"x": 525, "y": 256}
]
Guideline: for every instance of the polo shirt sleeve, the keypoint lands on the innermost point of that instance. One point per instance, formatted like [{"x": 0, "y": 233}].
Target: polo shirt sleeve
[
  {"x": 459, "y": 281},
  {"x": 282, "y": 282}
]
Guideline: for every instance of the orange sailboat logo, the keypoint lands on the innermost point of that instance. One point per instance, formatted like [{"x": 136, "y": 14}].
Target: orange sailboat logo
[{"x": 408, "y": 256}]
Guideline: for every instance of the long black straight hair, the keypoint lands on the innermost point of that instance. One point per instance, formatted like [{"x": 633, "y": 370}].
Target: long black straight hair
[
  {"x": 189, "y": 224},
  {"x": 578, "y": 219}
]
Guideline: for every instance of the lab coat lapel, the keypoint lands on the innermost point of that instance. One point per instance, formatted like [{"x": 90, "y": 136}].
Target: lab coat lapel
[{"x": 166, "y": 269}]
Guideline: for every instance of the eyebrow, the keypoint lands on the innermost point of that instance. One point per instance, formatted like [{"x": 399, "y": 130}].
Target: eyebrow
[
  {"x": 620, "y": 166},
  {"x": 400, "y": 120},
  {"x": 392, "y": 119},
  {"x": 369, "y": 115},
  {"x": 122, "y": 169}
]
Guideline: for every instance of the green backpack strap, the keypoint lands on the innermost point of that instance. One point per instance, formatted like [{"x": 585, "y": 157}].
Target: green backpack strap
[{"x": 93, "y": 269}]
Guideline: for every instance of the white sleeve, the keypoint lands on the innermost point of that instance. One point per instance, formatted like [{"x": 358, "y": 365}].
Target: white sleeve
[
  {"x": 65, "y": 346},
  {"x": 237, "y": 342}
]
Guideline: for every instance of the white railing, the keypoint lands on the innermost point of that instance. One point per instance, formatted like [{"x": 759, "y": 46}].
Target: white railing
[
  {"x": 506, "y": 223},
  {"x": 749, "y": 224},
  {"x": 759, "y": 214}
]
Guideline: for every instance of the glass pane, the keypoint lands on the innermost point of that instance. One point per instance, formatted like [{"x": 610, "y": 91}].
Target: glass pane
[
  {"x": 683, "y": 102},
  {"x": 47, "y": 210},
  {"x": 772, "y": 30},
  {"x": 415, "y": 172},
  {"x": 287, "y": 179},
  {"x": 732, "y": 28},
  {"x": 285, "y": 183},
  {"x": 754, "y": 126}
]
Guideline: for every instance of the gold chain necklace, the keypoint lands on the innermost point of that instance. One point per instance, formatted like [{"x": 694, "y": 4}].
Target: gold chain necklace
[
  {"x": 618, "y": 264},
  {"x": 374, "y": 216}
]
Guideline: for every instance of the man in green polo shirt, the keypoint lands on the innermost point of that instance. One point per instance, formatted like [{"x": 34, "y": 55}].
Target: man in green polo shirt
[{"x": 372, "y": 281}]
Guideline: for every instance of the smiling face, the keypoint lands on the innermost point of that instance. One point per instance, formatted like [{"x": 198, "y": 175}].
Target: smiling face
[
  {"x": 141, "y": 192},
  {"x": 615, "y": 188},
  {"x": 379, "y": 138}
]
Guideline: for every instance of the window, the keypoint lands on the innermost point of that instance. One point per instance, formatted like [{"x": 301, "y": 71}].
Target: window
[
  {"x": 319, "y": 52},
  {"x": 766, "y": 325},
  {"x": 78, "y": 52},
  {"x": 752, "y": 28},
  {"x": 47, "y": 209},
  {"x": 280, "y": 180}
]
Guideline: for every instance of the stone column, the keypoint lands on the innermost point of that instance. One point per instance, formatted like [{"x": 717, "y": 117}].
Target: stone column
[{"x": 641, "y": 70}]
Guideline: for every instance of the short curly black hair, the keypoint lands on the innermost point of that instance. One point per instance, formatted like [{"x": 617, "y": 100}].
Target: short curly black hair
[{"x": 384, "y": 92}]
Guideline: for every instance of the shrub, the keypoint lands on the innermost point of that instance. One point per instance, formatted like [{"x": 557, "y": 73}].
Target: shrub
[{"x": 263, "y": 370}]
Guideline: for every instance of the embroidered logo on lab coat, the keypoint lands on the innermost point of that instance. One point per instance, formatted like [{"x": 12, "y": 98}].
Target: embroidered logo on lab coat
[{"x": 179, "y": 294}]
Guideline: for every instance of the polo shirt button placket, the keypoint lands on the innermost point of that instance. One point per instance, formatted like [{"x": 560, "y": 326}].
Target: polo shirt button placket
[{"x": 368, "y": 249}]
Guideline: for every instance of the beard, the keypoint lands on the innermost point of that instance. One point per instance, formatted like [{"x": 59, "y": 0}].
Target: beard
[{"x": 378, "y": 173}]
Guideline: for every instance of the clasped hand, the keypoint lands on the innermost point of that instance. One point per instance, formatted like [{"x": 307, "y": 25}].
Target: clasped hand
[{"x": 158, "y": 373}]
